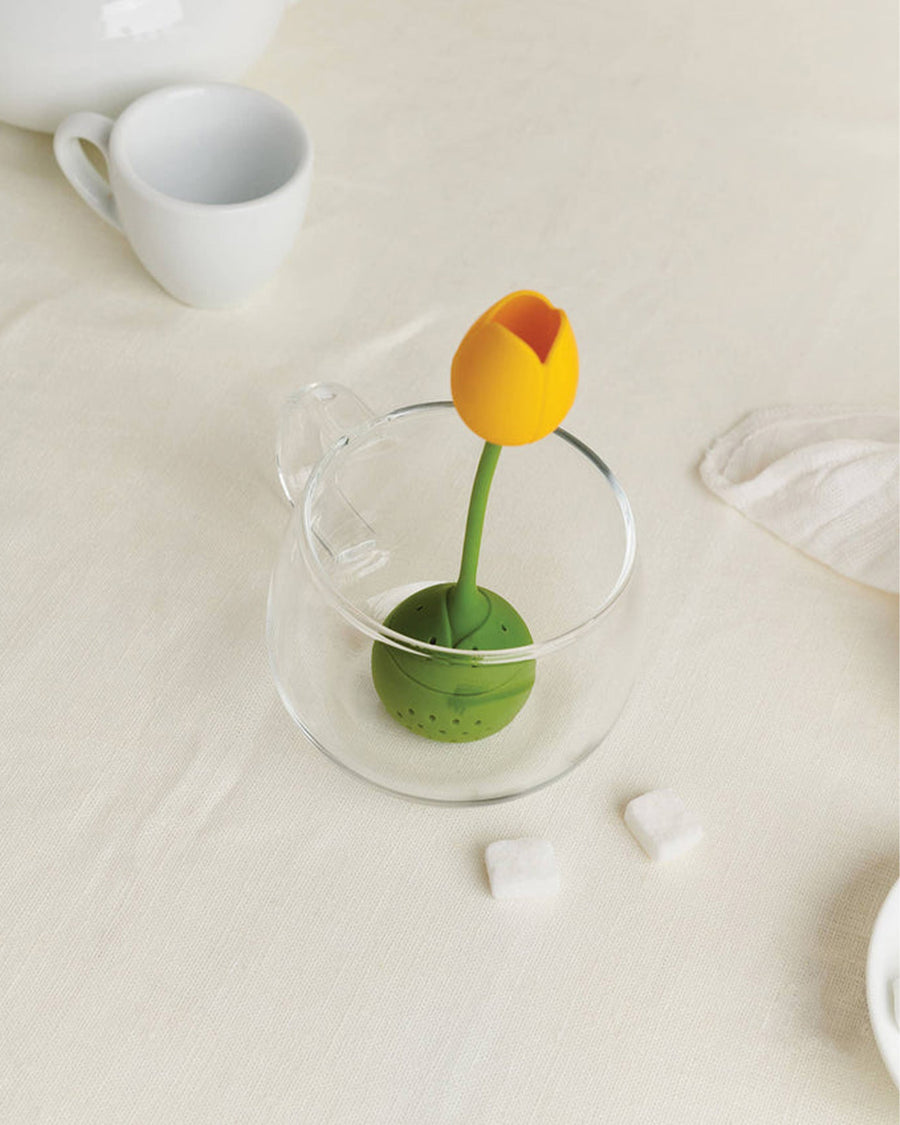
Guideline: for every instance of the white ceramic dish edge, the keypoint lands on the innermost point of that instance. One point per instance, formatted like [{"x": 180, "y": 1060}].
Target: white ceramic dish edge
[{"x": 882, "y": 967}]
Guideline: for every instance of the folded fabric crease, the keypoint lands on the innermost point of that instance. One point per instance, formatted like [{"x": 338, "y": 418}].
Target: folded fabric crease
[{"x": 824, "y": 479}]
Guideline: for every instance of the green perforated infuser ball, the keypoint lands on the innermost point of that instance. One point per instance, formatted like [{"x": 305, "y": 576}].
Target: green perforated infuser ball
[{"x": 457, "y": 699}]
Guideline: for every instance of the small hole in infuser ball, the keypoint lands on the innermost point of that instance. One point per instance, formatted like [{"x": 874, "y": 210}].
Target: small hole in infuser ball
[
  {"x": 420, "y": 726},
  {"x": 442, "y": 732},
  {"x": 411, "y": 711},
  {"x": 504, "y": 629},
  {"x": 399, "y": 714},
  {"x": 478, "y": 722},
  {"x": 456, "y": 722},
  {"x": 419, "y": 608},
  {"x": 432, "y": 717},
  {"x": 432, "y": 640}
]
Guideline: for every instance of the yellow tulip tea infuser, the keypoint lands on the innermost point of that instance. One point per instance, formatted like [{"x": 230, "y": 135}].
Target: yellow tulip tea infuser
[
  {"x": 513, "y": 380},
  {"x": 428, "y": 659}
]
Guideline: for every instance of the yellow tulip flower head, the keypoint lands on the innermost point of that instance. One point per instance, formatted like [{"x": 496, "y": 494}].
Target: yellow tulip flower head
[{"x": 514, "y": 375}]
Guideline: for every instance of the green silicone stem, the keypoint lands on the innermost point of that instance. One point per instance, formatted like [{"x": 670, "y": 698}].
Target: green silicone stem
[{"x": 465, "y": 603}]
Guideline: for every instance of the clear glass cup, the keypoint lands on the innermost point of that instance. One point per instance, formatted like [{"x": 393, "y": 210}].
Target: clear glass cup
[{"x": 379, "y": 512}]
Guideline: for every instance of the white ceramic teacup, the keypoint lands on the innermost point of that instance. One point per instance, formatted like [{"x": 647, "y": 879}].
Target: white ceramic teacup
[{"x": 209, "y": 184}]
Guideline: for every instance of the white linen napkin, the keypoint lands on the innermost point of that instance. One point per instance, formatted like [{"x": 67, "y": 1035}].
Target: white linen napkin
[{"x": 823, "y": 479}]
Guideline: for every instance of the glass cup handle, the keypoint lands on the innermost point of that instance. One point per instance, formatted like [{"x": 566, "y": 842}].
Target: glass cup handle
[{"x": 311, "y": 422}]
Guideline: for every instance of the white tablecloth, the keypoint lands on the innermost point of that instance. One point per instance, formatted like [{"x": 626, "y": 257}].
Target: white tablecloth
[{"x": 202, "y": 919}]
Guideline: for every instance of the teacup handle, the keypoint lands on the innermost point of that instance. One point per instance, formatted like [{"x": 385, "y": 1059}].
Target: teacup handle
[
  {"x": 76, "y": 167},
  {"x": 311, "y": 422}
]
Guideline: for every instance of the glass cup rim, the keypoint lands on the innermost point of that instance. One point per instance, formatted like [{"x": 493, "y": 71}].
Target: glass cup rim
[{"x": 377, "y": 631}]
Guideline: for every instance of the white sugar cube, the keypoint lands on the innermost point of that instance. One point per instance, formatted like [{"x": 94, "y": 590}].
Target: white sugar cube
[
  {"x": 521, "y": 868},
  {"x": 662, "y": 825}
]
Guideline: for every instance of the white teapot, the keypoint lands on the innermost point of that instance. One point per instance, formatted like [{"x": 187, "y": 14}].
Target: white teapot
[{"x": 58, "y": 56}]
